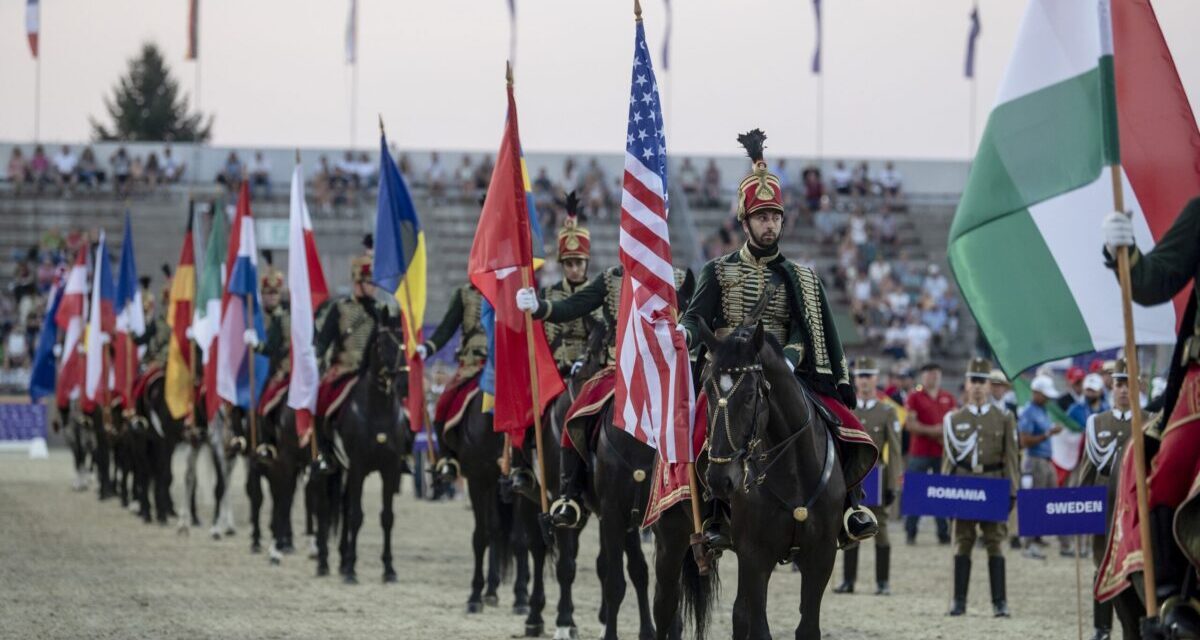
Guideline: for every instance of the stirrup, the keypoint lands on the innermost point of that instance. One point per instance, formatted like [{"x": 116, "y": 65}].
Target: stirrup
[
  {"x": 448, "y": 469},
  {"x": 868, "y": 532},
  {"x": 266, "y": 451},
  {"x": 560, "y": 509}
]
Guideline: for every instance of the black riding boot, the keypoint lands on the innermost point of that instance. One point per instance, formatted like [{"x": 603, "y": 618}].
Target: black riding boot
[
  {"x": 858, "y": 523},
  {"x": 1168, "y": 558},
  {"x": 883, "y": 567},
  {"x": 716, "y": 527},
  {"x": 567, "y": 510},
  {"x": 996, "y": 579},
  {"x": 962, "y": 578},
  {"x": 1102, "y": 619},
  {"x": 849, "y": 570}
]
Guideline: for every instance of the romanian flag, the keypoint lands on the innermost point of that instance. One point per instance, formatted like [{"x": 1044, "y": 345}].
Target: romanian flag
[
  {"x": 501, "y": 262},
  {"x": 179, "y": 383},
  {"x": 399, "y": 268}
]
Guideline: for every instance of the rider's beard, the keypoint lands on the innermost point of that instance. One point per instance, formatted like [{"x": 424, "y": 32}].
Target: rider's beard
[{"x": 759, "y": 246}]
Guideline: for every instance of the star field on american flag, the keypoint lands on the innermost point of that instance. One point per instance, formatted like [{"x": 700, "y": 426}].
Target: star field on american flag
[{"x": 645, "y": 137}]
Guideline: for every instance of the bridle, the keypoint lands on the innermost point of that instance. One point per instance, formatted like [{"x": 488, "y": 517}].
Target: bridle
[
  {"x": 385, "y": 374},
  {"x": 762, "y": 388}
]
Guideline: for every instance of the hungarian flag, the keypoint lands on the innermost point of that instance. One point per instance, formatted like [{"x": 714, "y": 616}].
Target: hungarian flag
[
  {"x": 501, "y": 262},
  {"x": 180, "y": 374},
  {"x": 101, "y": 320},
  {"x": 399, "y": 269},
  {"x": 206, "y": 322},
  {"x": 1025, "y": 244},
  {"x": 131, "y": 319},
  {"x": 240, "y": 312},
  {"x": 306, "y": 291},
  {"x": 70, "y": 317}
]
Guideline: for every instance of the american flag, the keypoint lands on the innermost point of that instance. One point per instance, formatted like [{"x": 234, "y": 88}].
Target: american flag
[{"x": 654, "y": 380}]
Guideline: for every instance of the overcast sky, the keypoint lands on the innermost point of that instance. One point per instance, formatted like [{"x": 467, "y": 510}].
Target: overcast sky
[{"x": 273, "y": 71}]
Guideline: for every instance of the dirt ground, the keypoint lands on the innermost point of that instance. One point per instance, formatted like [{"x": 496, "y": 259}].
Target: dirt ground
[{"x": 73, "y": 567}]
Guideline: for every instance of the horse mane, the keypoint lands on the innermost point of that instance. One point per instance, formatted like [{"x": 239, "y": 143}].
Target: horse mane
[{"x": 738, "y": 348}]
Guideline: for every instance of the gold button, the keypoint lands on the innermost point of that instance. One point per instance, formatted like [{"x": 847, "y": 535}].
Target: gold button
[
  {"x": 639, "y": 475},
  {"x": 800, "y": 514}
]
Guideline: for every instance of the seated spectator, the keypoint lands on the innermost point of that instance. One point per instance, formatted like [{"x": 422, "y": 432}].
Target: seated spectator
[
  {"x": 935, "y": 284},
  {"x": 403, "y": 165},
  {"x": 366, "y": 171},
  {"x": 483, "y": 174},
  {"x": 152, "y": 172},
  {"x": 571, "y": 179},
  {"x": 260, "y": 176},
  {"x": 689, "y": 179},
  {"x": 172, "y": 169},
  {"x": 785, "y": 182},
  {"x": 65, "y": 163},
  {"x": 841, "y": 178},
  {"x": 465, "y": 177},
  {"x": 890, "y": 180},
  {"x": 39, "y": 168},
  {"x": 878, "y": 270},
  {"x": 711, "y": 188},
  {"x": 435, "y": 178},
  {"x": 825, "y": 220},
  {"x": 814, "y": 189},
  {"x": 885, "y": 227},
  {"x": 895, "y": 340},
  {"x": 861, "y": 180},
  {"x": 918, "y": 339},
  {"x": 122, "y": 168},
  {"x": 542, "y": 183},
  {"x": 137, "y": 172},
  {"x": 88, "y": 170},
  {"x": 16, "y": 349},
  {"x": 323, "y": 185},
  {"x": 17, "y": 171},
  {"x": 857, "y": 229}
]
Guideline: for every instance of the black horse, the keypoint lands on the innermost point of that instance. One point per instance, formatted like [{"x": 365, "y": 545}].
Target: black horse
[
  {"x": 774, "y": 462},
  {"x": 75, "y": 426},
  {"x": 163, "y": 433},
  {"x": 370, "y": 433},
  {"x": 681, "y": 594},
  {"x": 495, "y": 535}
]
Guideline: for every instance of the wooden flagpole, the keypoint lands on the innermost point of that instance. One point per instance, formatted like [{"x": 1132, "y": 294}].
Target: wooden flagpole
[{"x": 252, "y": 411}]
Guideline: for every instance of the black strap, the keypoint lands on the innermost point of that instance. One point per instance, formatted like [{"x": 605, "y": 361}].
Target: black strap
[{"x": 987, "y": 468}]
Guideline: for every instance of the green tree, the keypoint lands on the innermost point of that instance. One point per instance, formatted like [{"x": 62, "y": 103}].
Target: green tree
[{"x": 146, "y": 105}]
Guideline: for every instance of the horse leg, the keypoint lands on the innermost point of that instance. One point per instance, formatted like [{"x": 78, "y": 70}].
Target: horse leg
[
  {"x": 255, "y": 493},
  {"x": 160, "y": 471},
  {"x": 612, "y": 544},
  {"x": 189, "y": 517},
  {"x": 220, "y": 465},
  {"x": 145, "y": 475},
  {"x": 815, "y": 569},
  {"x": 497, "y": 549},
  {"x": 534, "y": 625},
  {"x": 353, "y": 498},
  {"x": 639, "y": 575},
  {"x": 391, "y": 486},
  {"x": 568, "y": 551},
  {"x": 480, "y": 504},
  {"x": 750, "y": 605},
  {"x": 669, "y": 555},
  {"x": 316, "y": 492},
  {"x": 519, "y": 540}
]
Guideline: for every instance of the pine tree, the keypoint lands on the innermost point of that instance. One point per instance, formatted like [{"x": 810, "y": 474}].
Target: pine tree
[{"x": 146, "y": 105}]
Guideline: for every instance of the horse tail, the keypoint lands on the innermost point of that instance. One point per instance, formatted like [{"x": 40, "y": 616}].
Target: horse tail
[
  {"x": 334, "y": 495},
  {"x": 503, "y": 538},
  {"x": 699, "y": 594}
]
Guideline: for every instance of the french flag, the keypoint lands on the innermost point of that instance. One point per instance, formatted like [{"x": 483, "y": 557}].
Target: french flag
[
  {"x": 307, "y": 291},
  {"x": 70, "y": 319},
  {"x": 100, "y": 326},
  {"x": 131, "y": 319},
  {"x": 240, "y": 312}
]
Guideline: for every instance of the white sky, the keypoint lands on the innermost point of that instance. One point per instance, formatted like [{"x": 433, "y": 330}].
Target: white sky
[{"x": 273, "y": 71}]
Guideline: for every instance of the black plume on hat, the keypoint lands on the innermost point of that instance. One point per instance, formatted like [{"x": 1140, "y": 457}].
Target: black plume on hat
[
  {"x": 145, "y": 281},
  {"x": 369, "y": 241},
  {"x": 268, "y": 257},
  {"x": 753, "y": 141},
  {"x": 572, "y": 204},
  {"x": 166, "y": 269}
]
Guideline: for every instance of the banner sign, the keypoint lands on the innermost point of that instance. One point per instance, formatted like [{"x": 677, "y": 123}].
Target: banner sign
[
  {"x": 964, "y": 497},
  {"x": 1062, "y": 512},
  {"x": 873, "y": 488},
  {"x": 22, "y": 422}
]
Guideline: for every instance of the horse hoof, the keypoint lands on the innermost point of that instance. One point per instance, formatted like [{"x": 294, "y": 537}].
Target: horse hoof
[
  {"x": 520, "y": 609},
  {"x": 534, "y": 630},
  {"x": 474, "y": 607},
  {"x": 322, "y": 570},
  {"x": 566, "y": 633},
  {"x": 275, "y": 562},
  {"x": 389, "y": 577},
  {"x": 255, "y": 547},
  {"x": 491, "y": 600},
  {"x": 216, "y": 535},
  {"x": 230, "y": 532},
  {"x": 349, "y": 578}
]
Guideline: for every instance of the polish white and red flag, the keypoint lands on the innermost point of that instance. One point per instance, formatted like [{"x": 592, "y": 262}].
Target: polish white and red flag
[
  {"x": 70, "y": 318},
  {"x": 307, "y": 291},
  {"x": 654, "y": 396}
]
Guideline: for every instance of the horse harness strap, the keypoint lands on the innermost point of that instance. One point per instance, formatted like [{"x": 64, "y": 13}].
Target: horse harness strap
[
  {"x": 723, "y": 412},
  {"x": 800, "y": 514}
]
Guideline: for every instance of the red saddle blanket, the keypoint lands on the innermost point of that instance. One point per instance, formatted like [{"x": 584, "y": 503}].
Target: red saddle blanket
[
  {"x": 454, "y": 400},
  {"x": 332, "y": 392},
  {"x": 593, "y": 396},
  {"x": 274, "y": 392}
]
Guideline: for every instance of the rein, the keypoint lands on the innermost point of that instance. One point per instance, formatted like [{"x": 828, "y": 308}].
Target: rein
[{"x": 385, "y": 376}]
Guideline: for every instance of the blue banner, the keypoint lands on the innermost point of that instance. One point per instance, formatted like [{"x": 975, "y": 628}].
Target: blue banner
[
  {"x": 873, "y": 488},
  {"x": 1062, "y": 512},
  {"x": 964, "y": 497},
  {"x": 22, "y": 421}
]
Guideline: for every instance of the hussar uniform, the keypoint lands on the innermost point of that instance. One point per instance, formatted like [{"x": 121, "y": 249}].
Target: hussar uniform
[
  {"x": 1105, "y": 435},
  {"x": 464, "y": 313},
  {"x": 568, "y": 339},
  {"x": 981, "y": 442},
  {"x": 276, "y": 343},
  {"x": 346, "y": 325},
  {"x": 880, "y": 421},
  {"x": 155, "y": 340},
  {"x": 796, "y": 314}
]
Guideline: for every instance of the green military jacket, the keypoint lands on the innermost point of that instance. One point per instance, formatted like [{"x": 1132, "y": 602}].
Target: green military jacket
[
  {"x": 276, "y": 344},
  {"x": 568, "y": 339},
  {"x": 982, "y": 442},
  {"x": 464, "y": 311},
  {"x": 880, "y": 421},
  {"x": 345, "y": 329},
  {"x": 156, "y": 339},
  {"x": 797, "y": 314},
  {"x": 602, "y": 294}
]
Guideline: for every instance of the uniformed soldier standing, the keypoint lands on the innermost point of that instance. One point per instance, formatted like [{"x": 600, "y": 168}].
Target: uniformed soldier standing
[
  {"x": 464, "y": 312},
  {"x": 981, "y": 442},
  {"x": 1104, "y": 438},
  {"x": 883, "y": 425}
]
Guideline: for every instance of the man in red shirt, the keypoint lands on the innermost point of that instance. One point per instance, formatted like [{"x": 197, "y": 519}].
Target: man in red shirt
[{"x": 927, "y": 405}]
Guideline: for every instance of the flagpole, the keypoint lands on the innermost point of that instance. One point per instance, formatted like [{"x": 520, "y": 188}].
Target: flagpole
[
  {"x": 37, "y": 95},
  {"x": 253, "y": 409}
]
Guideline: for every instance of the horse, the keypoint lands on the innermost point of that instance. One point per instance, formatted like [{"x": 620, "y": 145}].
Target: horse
[
  {"x": 74, "y": 425},
  {"x": 215, "y": 434},
  {"x": 565, "y": 541},
  {"x": 479, "y": 449},
  {"x": 773, "y": 461},
  {"x": 370, "y": 433},
  {"x": 692, "y": 592},
  {"x": 277, "y": 459},
  {"x": 163, "y": 434}
]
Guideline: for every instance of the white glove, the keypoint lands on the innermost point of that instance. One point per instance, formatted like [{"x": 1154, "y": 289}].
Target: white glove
[
  {"x": 1118, "y": 230},
  {"x": 251, "y": 338},
  {"x": 105, "y": 338},
  {"x": 575, "y": 367},
  {"x": 527, "y": 299},
  {"x": 422, "y": 352},
  {"x": 57, "y": 350},
  {"x": 188, "y": 333}
]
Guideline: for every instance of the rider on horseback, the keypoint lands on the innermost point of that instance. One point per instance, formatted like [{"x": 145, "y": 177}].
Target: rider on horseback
[
  {"x": 276, "y": 345},
  {"x": 464, "y": 312},
  {"x": 340, "y": 344},
  {"x": 796, "y": 313},
  {"x": 568, "y": 340},
  {"x": 156, "y": 337}
]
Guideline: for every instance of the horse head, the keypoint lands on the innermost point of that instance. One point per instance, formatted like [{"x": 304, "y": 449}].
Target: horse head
[
  {"x": 386, "y": 365},
  {"x": 738, "y": 400}
]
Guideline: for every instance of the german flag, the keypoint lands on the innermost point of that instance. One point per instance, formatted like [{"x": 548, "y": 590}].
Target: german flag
[{"x": 180, "y": 372}]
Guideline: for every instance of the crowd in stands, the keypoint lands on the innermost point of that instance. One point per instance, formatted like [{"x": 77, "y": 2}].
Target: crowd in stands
[{"x": 66, "y": 171}]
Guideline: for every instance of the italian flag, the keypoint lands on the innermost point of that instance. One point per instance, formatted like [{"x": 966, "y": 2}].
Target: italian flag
[{"x": 1025, "y": 244}]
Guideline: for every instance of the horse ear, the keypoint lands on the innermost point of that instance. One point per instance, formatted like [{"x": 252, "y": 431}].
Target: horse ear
[
  {"x": 706, "y": 336},
  {"x": 758, "y": 336}
]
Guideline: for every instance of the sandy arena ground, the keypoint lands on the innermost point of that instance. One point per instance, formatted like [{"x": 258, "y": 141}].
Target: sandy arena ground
[{"x": 73, "y": 567}]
